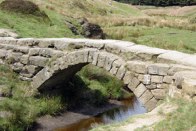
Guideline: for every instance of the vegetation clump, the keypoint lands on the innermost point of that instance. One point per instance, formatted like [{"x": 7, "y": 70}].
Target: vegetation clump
[{"x": 22, "y": 6}]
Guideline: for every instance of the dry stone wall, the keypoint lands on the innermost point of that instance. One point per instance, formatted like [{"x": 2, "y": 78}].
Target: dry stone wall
[{"x": 151, "y": 73}]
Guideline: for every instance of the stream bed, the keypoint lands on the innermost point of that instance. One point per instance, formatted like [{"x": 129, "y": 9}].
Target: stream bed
[{"x": 126, "y": 108}]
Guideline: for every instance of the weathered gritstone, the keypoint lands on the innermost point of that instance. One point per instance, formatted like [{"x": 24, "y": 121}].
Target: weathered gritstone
[{"x": 151, "y": 73}]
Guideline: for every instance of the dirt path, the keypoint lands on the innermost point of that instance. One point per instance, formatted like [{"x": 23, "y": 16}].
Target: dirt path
[{"x": 149, "y": 118}]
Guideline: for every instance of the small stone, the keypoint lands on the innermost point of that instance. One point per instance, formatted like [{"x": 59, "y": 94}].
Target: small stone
[{"x": 145, "y": 79}]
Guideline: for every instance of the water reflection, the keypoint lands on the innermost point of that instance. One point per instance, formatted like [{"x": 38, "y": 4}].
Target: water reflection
[{"x": 128, "y": 108}]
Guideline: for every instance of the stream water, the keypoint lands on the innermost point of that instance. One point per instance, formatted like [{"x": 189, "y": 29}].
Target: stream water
[{"x": 127, "y": 108}]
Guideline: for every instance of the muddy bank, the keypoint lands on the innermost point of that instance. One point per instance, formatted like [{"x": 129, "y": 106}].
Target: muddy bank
[{"x": 49, "y": 123}]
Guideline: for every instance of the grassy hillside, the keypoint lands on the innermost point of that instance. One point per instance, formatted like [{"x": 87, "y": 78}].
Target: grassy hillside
[{"x": 169, "y": 28}]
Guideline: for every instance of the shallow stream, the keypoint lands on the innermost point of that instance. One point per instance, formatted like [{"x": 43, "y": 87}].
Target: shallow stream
[{"x": 127, "y": 108}]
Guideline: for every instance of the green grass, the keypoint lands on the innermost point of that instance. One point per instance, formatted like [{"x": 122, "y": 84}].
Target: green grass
[
  {"x": 33, "y": 26},
  {"x": 91, "y": 86},
  {"x": 166, "y": 38},
  {"x": 183, "y": 119},
  {"x": 98, "y": 79}
]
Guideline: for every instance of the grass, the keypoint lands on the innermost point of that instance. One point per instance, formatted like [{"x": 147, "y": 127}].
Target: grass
[
  {"x": 181, "y": 119},
  {"x": 23, "y": 103},
  {"x": 98, "y": 79},
  {"x": 166, "y": 38},
  {"x": 33, "y": 26},
  {"x": 91, "y": 86}
]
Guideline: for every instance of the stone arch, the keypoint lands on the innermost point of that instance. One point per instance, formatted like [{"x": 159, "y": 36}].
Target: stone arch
[{"x": 61, "y": 69}]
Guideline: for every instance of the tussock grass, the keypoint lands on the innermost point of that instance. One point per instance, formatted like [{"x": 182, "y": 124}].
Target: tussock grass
[
  {"x": 181, "y": 119},
  {"x": 22, "y": 103}
]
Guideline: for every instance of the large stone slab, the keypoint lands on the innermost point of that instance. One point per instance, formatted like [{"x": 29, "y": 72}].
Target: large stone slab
[
  {"x": 172, "y": 57},
  {"x": 137, "y": 66}
]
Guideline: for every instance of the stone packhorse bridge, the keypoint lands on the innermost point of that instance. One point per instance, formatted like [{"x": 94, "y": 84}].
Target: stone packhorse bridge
[{"x": 150, "y": 73}]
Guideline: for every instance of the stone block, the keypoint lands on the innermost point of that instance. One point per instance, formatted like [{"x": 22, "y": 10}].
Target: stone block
[
  {"x": 17, "y": 67},
  {"x": 172, "y": 57},
  {"x": 145, "y": 97},
  {"x": 24, "y": 59},
  {"x": 139, "y": 90},
  {"x": 3, "y": 53},
  {"x": 34, "y": 51},
  {"x": 101, "y": 60},
  {"x": 128, "y": 77},
  {"x": 91, "y": 54},
  {"x": 32, "y": 69},
  {"x": 13, "y": 57},
  {"x": 95, "y": 58},
  {"x": 121, "y": 72},
  {"x": 162, "y": 86},
  {"x": 168, "y": 79},
  {"x": 116, "y": 65},
  {"x": 109, "y": 61},
  {"x": 151, "y": 86},
  {"x": 45, "y": 52},
  {"x": 159, "y": 93},
  {"x": 156, "y": 79},
  {"x": 177, "y": 68},
  {"x": 38, "y": 61},
  {"x": 145, "y": 79},
  {"x": 134, "y": 82},
  {"x": 22, "y": 49},
  {"x": 189, "y": 87},
  {"x": 137, "y": 66},
  {"x": 151, "y": 104},
  {"x": 158, "y": 69}
]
